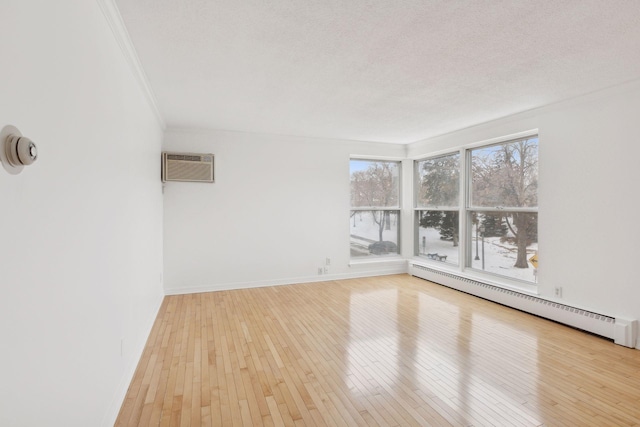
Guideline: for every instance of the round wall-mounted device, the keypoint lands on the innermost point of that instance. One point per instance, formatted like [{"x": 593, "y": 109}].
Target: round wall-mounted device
[{"x": 16, "y": 151}]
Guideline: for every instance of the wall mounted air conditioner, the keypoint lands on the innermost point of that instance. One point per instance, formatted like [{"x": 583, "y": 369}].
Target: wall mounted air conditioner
[{"x": 191, "y": 167}]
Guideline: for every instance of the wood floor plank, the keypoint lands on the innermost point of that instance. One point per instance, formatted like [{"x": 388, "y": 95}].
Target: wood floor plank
[{"x": 380, "y": 351}]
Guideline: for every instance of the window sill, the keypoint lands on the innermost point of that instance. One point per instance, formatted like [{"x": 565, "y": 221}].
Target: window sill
[{"x": 381, "y": 260}]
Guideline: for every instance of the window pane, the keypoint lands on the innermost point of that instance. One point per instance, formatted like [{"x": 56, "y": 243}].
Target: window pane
[
  {"x": 505, "y": 175},
  {"x": 374, "y": 233},
  {"x": 503, "y": 243},
  {"x": 438, "y": 182},
  {"x": 374, "y": 183},
  {"x": 438, "y": 235}
]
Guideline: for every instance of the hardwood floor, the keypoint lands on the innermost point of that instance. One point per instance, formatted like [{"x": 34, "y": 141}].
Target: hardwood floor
[{"x": 387, "y": 351}]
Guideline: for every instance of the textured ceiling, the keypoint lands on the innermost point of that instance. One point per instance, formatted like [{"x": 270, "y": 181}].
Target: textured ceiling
[{"x": 375, "y": 70}]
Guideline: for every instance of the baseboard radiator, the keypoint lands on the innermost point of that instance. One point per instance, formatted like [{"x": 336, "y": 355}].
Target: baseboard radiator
[{"x": 621, "y": 331}]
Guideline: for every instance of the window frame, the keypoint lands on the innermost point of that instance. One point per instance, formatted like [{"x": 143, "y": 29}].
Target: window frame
[
  {"x": 397, "y": 208},
  {"x": 417, "y": 186},
  {"x": 466, "y": 210}
]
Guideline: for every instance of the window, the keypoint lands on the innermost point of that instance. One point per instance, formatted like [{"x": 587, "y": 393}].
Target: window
[
  {"x": 375, "y": 208},
  {"x": 438, "y": 208},
  {"x": 503, "y": 207},
  {"x": 499, "y": 216}
]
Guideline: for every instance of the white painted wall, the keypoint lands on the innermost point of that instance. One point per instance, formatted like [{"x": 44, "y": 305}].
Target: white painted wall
[
  {"x": 588, "y": 212},
  {"x": 81, "y": 229},
  {"x": 279, "y": 206}
]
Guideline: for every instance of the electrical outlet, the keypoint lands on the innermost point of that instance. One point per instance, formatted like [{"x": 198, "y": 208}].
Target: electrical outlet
[
  {"x": 558, "y": 291},
  {"x": 319, "y": 270},
  {"x": 328, "y": 261},
  {"x": 326, "y": 270}
]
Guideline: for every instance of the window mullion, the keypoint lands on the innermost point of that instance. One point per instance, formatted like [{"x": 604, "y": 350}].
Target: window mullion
[
  {"x": 463, "y": 219},
  {"x": 375, "y": 208},
  {"x": 499, "y": 209}
]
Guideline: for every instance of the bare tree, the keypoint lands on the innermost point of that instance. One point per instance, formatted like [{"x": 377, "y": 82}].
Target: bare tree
[
  {"x": 506, "y": 176},
  {"x": 376, "y": 186}
]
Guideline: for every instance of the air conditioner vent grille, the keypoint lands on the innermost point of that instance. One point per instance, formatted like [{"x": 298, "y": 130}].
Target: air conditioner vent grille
[
  {"x": 187, "y": 167},
  {"x": 185, "y": 157}
]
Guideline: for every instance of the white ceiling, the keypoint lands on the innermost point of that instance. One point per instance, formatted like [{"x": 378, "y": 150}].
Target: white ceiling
[{"x": 375, "y": 70}]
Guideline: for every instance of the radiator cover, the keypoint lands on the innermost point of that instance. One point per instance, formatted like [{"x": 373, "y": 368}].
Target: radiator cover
[{"x": 622, "y": 331}]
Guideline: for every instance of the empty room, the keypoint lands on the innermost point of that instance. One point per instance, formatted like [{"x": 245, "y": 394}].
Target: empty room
[{"x": 319, "y": 213}]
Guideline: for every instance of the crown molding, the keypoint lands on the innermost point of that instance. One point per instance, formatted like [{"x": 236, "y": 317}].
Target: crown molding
[{"x": 114, "y": 19}]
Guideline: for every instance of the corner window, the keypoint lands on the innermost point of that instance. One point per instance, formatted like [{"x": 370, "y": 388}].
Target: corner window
[
  {"x": 375, "y": 208},
  {"x": 495, "y": 229}
]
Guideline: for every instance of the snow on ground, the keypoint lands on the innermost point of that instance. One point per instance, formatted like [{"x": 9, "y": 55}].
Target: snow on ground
[
  {"x": 366, "y": 231},
  {"x": 499, "y": 257}
]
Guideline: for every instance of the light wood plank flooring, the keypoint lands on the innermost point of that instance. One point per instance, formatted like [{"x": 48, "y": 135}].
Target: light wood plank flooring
[{"x": 387, "y": 351}]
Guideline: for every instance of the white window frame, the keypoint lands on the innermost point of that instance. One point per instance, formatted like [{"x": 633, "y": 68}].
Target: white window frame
[
  {"x": 417, "y": 209},
  {"x": 464, "y": 269},
  {"x": 397, "y": 209}
]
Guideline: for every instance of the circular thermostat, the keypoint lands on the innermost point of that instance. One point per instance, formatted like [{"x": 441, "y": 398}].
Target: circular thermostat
[{"x": 16, "y": 151}]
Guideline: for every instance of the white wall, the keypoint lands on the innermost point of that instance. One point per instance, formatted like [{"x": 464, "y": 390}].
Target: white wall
[
  {"x": 81, "y": 229},
  {"x": 588, "y": 209},
  {"x": 279, "y": 206}
]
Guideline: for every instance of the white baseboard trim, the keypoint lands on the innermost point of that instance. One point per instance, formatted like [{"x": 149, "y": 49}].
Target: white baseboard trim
[
  {"x": 111, "y": 415},
  {"x": 388, "y": 270}
]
